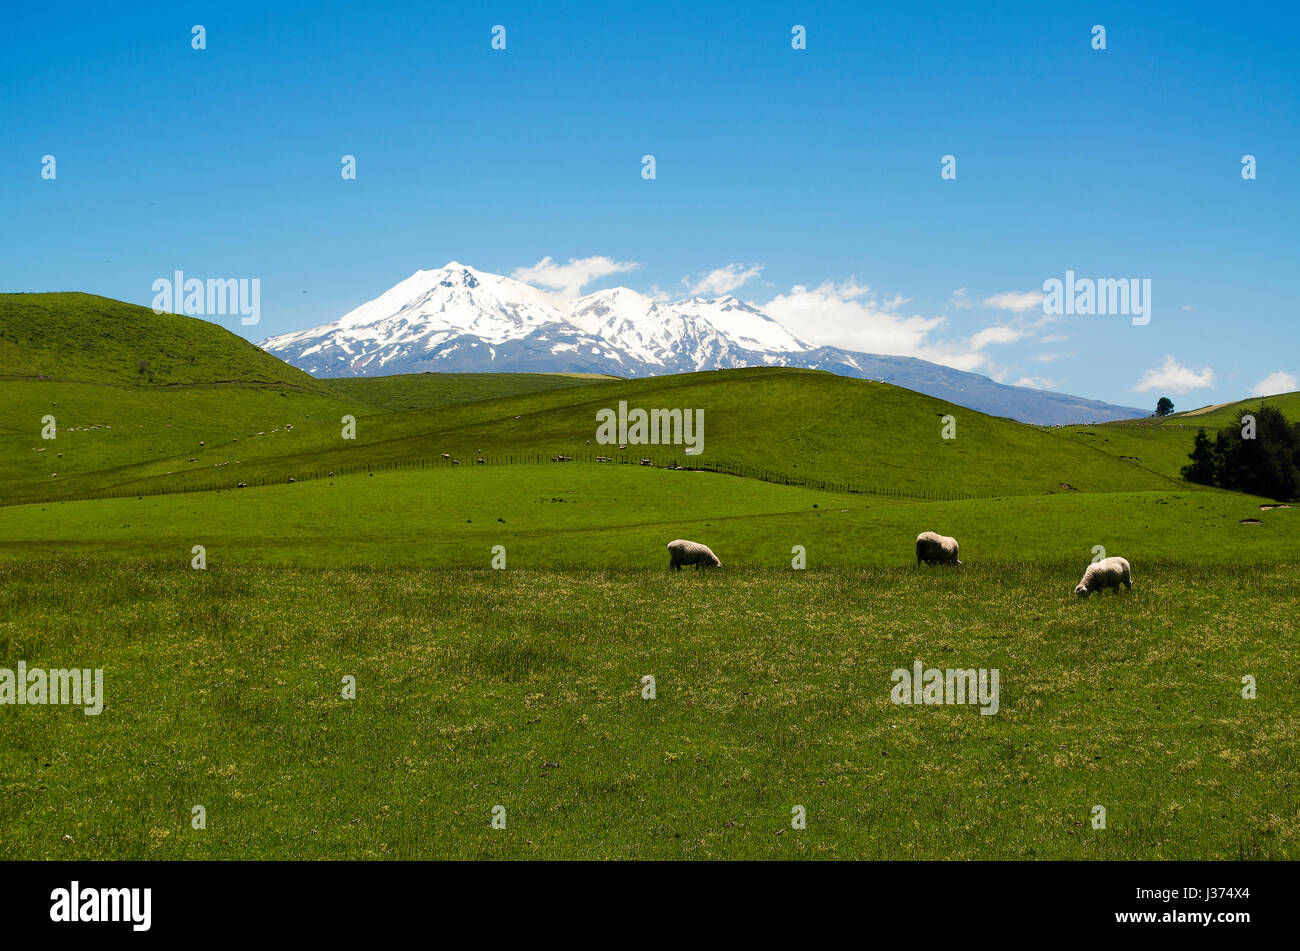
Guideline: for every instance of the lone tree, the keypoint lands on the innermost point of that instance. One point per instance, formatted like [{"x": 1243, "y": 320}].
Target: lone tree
[
  {"x": 1259, "y": 456},
  {"x": 1165, "y": 406}
]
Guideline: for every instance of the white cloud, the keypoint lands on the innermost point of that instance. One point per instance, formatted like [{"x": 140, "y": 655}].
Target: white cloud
[
  {"x": 723, "y": 281},
  {"x": 848, "y": 315},
  {"x": 1015, "y": 301},
  {"x": 1173, "y": 377},
  {"x": 1036, "y": 383},
  {"x": 569, "y": 279},
  {"x": 1052, "y": 356},
  {"x": 1054, "y": 338},
  {"x": 1274, "y": 383},
  {"x": 960, "y": 300},
  {"x": 999, "y": 333}
]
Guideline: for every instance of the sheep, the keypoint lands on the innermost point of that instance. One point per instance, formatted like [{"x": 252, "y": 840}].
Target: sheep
[
  {"x": 1107, "y": 573},
  {"x": 933, "y": 549},
  {"x": 683, "y": 552}
]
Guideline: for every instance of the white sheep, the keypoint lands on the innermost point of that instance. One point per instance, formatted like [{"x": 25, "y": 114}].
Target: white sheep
[
  {"x": 1107, "y": 573},
  {"x": 935, "y": 549},
  {"x": 683, "y": 552}
]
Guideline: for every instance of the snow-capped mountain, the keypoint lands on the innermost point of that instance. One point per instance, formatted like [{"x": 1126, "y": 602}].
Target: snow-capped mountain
[
  {"x": 680, "y": 337},
  {"x": 452, "y": 318},
  {"x": 459, "y": 319}
]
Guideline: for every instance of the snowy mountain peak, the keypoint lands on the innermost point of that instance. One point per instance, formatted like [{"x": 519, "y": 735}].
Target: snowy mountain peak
[{"x": 458, "y": 318}]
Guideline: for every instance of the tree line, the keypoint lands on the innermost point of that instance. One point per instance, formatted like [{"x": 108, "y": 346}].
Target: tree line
[{"x": 1259, "y": 454}]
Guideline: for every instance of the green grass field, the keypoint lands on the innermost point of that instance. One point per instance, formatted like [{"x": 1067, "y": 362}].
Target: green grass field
[
  {"x": 1162, "y": 445},
  {"x": 522, "y": 687},
  {"x": 573, "y": 515},
  {"x": 868, "y": 434}
]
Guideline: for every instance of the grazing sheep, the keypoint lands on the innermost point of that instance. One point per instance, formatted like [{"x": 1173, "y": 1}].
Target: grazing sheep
[
  {"x": 1107, "y": 573},
  {"x": 683, "y": 552},
  {"x": 933, "y": 549}
]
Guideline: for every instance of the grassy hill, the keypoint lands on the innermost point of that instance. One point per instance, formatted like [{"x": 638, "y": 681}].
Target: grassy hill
[
  {"x": 89, "y": 339},
  {"x": 147, "y": 403},
  {"x": 1215, "y": 417},
  {"x": 130, "y": 390},
  {"x": 800, "y": 423},
  {"x": 1162, "y": 445},
  {"x": 410, "y": 391}
]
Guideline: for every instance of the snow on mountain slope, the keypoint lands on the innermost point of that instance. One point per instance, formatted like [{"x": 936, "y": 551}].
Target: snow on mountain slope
[
  {"x": 459, "y": 319},
  {"x": 450, "y": 318},
  {"x": 694, "y": 334}
]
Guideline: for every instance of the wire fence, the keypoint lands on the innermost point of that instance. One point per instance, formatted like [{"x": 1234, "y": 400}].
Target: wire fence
[
  {"x": 1155, "y": 426},
  {"x": 681, "y": 464}
]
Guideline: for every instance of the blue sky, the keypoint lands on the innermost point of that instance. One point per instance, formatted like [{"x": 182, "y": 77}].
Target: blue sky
[{"x": 817, "y": 171}]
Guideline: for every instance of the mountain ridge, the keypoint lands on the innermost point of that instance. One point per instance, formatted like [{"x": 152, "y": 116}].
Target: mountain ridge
[{"x": 460, "y": 319}]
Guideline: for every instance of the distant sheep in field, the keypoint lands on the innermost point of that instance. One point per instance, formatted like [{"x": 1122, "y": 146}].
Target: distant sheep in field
[
  {"x": 481, "y": 461},
  {"x": 934, "y": 549},
  {"x": 683, "y": 552},
  {"x": 455, "y": 462},
  {"x": 1107, "y": 573},
  {"x": 446, "y": 455}
]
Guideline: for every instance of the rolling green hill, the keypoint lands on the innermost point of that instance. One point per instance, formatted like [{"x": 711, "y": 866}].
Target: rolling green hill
[
  {"x": 89, "y": 339},
  {"x": 130, "y": 390},
  {"x": 409, "y": 391},
  {"x": 1215, "y": 417},
  {"x": 802, "y": 424},
  {"x": 1162, "y": 445},
  {"x": 149, "y": 403}
]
